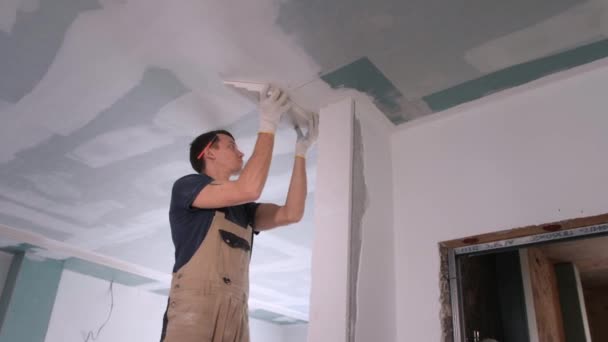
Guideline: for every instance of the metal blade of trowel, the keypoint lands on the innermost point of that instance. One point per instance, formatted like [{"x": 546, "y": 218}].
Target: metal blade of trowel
[{"x": 298, "y": 117}]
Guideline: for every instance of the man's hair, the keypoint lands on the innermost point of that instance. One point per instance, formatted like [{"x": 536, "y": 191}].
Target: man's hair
[{"x": 198, "y": 145}]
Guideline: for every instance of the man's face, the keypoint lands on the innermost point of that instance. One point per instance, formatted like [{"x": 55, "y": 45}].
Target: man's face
[{"x": 228, "y": 154}]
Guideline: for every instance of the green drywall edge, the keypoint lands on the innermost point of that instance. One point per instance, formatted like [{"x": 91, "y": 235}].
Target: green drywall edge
[
  {"x": 364, "y": 76},
  {"x": 516, "y": 75},
  {"x": 163, "y": 292},
  {"x": 22, "y": 247},
  {"x": 28, "y": 298},
  {"x": 272, "y": 317},
  {"x": 106, "y": 273}
]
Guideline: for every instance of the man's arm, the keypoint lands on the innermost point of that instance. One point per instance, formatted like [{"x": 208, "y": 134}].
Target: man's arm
[
  {"x": 249, "y": 186},
  {"x": 269, "y": 215}
]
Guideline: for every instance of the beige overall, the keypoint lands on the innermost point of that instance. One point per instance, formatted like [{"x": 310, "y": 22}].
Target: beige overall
[{"x": 208, "y": 296}]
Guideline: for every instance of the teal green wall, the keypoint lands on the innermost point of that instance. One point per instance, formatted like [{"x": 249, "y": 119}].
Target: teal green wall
[{"x": 27, "y": 301}]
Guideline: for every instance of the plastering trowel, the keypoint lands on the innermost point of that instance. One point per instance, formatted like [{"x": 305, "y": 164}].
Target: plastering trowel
[{"x": 298, "y": 117}]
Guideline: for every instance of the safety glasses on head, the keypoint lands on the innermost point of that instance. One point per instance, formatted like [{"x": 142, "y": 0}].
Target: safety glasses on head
[{"x": 207, "y": 147}]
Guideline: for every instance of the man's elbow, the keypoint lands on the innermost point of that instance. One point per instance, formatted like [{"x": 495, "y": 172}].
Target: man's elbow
[
  {"x": 251, "y": 193},
  {"x": 294, "y": 217}
]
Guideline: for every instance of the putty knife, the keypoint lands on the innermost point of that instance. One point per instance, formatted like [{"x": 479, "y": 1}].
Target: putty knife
[{"x": 298, "y": 116}]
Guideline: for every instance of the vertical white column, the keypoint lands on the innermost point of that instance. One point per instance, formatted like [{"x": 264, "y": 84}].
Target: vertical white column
[{"x": 330, "y": 255}]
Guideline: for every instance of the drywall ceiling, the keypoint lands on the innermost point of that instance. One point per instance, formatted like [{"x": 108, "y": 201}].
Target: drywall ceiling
[{"x": 99, "y": 100}]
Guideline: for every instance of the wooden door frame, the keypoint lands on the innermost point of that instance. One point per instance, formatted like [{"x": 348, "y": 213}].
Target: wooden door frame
[{"x": 529, "y": 235}]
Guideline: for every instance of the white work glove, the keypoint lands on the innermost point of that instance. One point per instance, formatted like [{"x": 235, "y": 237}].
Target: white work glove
[
  {"x": 305, "y": 141},
  {"x": 273, "y": 103}
]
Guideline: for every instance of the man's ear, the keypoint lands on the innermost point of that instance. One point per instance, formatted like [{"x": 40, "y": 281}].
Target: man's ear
[{"x": 210, "y": 154}]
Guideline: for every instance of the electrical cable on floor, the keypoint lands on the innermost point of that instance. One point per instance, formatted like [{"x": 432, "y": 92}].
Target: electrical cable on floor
[{"x": 91, "y": 336}]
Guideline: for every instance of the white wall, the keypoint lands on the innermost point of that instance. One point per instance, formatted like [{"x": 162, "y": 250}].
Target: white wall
[
  {"x": 83, "y": 304},
  {"x": 359, "y": 149},
  {"x": 261, "y": 331},
  {"x": 5, "y": 265},
  {"x": 376, "y": 278},
  {"x": 531, "y": 155},
  {"x": 294, "y": 333}
]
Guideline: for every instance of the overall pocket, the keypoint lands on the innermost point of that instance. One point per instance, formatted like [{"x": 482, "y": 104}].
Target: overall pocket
[{"x": 234, "y": 254}]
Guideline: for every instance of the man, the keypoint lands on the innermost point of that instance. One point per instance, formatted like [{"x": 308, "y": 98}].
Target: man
[{"x": 211, "y": 220}]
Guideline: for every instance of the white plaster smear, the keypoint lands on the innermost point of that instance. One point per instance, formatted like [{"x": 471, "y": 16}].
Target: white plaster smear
[
  {"x": 120, "y": 144},
  {"x": 9, "y": 9},
  {"x": 35, "y": 216},
  {"x": 4, "y": 105},
  {"x": 55, "y": 184},
  {"x": 158, "y": 181},
  {"x": 143, "y": 225},
  {"x": 84, "y": 212},
  {"x": 581, "y": 24},
  {"x": 106, "y": 51},
  {"x": 193, "y": 113}
]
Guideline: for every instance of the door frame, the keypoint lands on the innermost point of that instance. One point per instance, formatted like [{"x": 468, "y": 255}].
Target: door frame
[{"x": 451, "y": 296}]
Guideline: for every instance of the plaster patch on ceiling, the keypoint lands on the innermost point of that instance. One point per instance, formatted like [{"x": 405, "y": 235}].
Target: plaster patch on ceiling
[
  {"x": 140, "y": 226},
  {"x": 158, "y": 181},
  {"x": 43, "y": 222},
  {"x": 429, "y": 37},
  {"x": 29, "y": 5},
  {"x": 32, "y": 34},
  {"x": 4, "y": 105},
  {"x": 83, "y": 212},
  {"x": 581, "y": 24},
  {"x": 192, "y": 114},
  {"x": 8, "y": 14},
  {"x": 120, "y": 144},
  {"x": 9, "y": 10},
  {"x": 105, "y": 52},
  {"x": 55, "y": 184}
]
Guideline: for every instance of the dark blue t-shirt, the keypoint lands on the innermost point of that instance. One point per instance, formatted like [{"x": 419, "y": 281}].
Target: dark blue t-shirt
[{"x": 190, "y": 225}]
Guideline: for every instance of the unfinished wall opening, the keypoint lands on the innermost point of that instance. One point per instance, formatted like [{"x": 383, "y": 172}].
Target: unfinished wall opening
[{"x": 538, "y": 283}]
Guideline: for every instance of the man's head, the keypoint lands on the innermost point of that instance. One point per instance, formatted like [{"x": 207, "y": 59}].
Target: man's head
[{"x": 217, "y": 148}]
